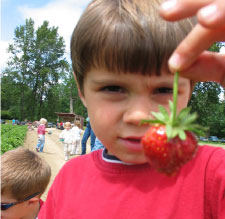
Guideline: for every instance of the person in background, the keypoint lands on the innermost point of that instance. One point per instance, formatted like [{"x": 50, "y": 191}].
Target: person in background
[
  {"x": 41, "y": 135},
  {"x": 24, "y": 178},
  {"x": 13, "y": 122},
  {"x": 98, "y": 145},
  {"x": 61, "y": 125},
  {"x": 87, "y": 133},
  {"x": 66, "y": 136},
  {"x": 77, "y": 131}
]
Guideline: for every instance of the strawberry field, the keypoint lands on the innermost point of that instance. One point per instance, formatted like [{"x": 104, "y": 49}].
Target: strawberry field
[{"x": 12, "y": 136}]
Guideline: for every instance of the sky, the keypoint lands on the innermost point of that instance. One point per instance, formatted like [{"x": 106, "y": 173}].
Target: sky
[{"x": 63, "y": 14}]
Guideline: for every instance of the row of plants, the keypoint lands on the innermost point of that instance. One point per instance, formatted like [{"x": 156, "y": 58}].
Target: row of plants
[{"x": 12, "y": 136}]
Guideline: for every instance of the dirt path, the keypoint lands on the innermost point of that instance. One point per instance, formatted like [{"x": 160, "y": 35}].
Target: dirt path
[{"x": 53, "y": 151}]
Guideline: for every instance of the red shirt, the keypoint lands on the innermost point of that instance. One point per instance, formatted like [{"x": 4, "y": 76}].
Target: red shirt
[
  {"x": 41, "y": 129},
  {"x": 89, "y": 187},
  {"x": 41, "y": 203}
]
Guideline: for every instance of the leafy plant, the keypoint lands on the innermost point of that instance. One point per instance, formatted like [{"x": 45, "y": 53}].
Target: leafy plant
[{"x": 12, "y": 136}]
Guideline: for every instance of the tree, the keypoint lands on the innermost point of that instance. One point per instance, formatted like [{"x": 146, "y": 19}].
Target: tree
[
  {"x": 71, "y": 96},
  {"x": 207, "y": 102},
  {"x": 34, "y": 68},
  {"x": 210, "y": 108}
]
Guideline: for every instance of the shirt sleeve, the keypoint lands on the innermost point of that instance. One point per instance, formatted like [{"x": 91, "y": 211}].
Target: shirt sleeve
[{"x": 215, "y": 184}]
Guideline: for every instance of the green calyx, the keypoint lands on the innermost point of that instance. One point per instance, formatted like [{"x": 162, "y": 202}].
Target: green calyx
[{"x": 176, "y": 125}]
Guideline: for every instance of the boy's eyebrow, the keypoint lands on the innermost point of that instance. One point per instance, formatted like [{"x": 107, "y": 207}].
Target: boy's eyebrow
[{"x": 106, "y": 81}]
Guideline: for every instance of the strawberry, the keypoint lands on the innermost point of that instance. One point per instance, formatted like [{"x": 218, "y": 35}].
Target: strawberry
[{"x": 169, "y": 143}]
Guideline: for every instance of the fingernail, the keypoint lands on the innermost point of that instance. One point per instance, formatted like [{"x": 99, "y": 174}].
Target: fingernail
[
  {"x": 208, "y": 11},
  {"x": 175, "y": 62},
  {"x": 168, "y": 5}
]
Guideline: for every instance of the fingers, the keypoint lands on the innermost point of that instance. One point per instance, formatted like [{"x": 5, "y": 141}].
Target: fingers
[
  {"x": 213, "y": 15},
  {"x": 190, "y": 54},
  {"x": 177, "y": 9},
  {"x": 192, "y": 46},
  {"x": 209, "y": 66}
]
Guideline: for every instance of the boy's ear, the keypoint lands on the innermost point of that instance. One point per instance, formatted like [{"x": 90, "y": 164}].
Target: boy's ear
[
  {"x": 79, "y": 91},
  {"x": 33, "y": 200}
]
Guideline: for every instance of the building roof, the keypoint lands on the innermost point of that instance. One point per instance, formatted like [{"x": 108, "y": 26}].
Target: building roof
[{"x": 71, "y": 115}]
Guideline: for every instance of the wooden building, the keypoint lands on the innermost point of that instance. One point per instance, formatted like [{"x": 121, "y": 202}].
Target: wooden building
[{"x": 70, "y": 117}]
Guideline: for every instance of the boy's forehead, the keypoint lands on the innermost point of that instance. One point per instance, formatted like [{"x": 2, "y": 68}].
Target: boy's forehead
[
  {"x": 103, "y": 75},
  {"x": 98, "y": 71}
]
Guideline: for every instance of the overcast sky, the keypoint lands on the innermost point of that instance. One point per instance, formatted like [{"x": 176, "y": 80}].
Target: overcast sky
[{"x": 60, "y": 13}]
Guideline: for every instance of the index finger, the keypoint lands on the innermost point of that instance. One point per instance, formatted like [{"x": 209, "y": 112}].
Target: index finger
[
  {"x": 173, "y": 10},
  {"x": 193, "y": 45}
]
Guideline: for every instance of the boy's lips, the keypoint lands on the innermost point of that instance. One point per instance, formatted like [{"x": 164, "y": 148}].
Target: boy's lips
[{"x": 132, "y": 143}]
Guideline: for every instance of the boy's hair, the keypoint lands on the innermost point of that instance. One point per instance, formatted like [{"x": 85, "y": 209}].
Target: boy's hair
[
  {"x": 43, "y": 121},
  {"x": 124, "y": 36},
  {"x": 23, "y": 173}
]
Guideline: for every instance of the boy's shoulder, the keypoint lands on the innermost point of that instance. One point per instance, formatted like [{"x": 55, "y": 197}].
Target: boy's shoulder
[
  {"x": 210, "y": 158},
  {"x": 207, "y": 150}
]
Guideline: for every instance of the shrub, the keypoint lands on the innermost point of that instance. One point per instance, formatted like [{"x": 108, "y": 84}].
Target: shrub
[{"x": 12, "y": 136}]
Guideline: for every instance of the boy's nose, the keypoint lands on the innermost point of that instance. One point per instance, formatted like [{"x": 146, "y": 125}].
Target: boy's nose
[{"x": 137, "y": 111}]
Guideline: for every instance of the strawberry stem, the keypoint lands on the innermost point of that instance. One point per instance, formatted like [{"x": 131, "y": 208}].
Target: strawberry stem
[{"x": 175, "y": 91}]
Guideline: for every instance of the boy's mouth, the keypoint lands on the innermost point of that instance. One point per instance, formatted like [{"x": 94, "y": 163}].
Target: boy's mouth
[{"x": 132, "y": 143}]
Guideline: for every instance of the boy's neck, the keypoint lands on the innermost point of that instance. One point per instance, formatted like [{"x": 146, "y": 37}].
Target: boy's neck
[{"x": 108, "y": 157}]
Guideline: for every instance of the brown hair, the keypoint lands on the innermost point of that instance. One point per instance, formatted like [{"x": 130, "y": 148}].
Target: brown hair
[
  {"x": 124, "y": 36},
  {"x": 23, "y": 173}
]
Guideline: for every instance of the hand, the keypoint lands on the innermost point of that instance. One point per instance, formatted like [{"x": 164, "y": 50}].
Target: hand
[{"x": 190, "y": 57}]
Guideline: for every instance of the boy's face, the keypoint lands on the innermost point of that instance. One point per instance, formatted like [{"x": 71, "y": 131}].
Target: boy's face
[
  {"x": 24, "y": 210},
  {"x": 117, "y": 103}
]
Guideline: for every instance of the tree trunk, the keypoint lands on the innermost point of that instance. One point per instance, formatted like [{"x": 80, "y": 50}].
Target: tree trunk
[{"x": 71, "y": 103}]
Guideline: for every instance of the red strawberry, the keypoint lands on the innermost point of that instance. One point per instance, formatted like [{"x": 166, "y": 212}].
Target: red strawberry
[
  {"x": 168, "y": 156},
  {"x": 169, "y": 143}
]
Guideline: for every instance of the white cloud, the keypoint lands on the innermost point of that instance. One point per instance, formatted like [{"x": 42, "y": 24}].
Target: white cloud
[
  {"x": 3, "y": 54},
  {"x": 60, "y": 13},
  {"x": 222, "y": 50}
]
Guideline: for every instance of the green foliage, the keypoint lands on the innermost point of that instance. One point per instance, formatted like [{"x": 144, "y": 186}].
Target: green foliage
[
  {"x": 209, "y": 107},
  {"x": 5, "y": 114},
  {"x": 12, "y": 136},
  {"x": 207, "y": 102},
  {"x": 216, "y": 47},
  {"x": 31, "y": 83},
  {"x": 38, "y": 80}
]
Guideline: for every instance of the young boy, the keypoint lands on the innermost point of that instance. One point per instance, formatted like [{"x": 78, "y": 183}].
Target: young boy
[
  {"x": 24, "y": 178},
  {"x": 120, "y": 50}
]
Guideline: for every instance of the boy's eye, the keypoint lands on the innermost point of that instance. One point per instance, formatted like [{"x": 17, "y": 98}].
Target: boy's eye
[
  {"x": 113, "y": 88},
  {"x": 163, "y": 90}
]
